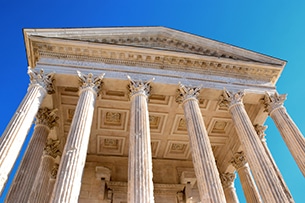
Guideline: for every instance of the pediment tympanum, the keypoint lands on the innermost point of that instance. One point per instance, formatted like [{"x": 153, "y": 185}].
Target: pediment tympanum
[{"x": 152, "y": 47}]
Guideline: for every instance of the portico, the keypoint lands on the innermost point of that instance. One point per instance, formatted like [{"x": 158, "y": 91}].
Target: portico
[{"x": 127, "y": 138}]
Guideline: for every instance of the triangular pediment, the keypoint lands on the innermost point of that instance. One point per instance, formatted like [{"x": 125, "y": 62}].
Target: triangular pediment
[{"x": 155, "y": 38}]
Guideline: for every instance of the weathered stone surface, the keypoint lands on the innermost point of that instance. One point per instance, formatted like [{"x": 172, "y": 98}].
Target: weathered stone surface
[
  {"x": 208, "y": 181},
  {"x": 72, "y": 163},
  {"x": 247, "y": 182},
  {"x": 291, "y": 134},
  {"x": 170, "y": 56},
  {"x": 227, "y": 181},
  {"x": 140, "y": 185},
  {"x": 264, "y": 174},
  {"x": 260, "y": 129},
  {"x": 44, "y": 181},
  {"x": 25, "y": 177},
  {"x": 16, "y": 131}
]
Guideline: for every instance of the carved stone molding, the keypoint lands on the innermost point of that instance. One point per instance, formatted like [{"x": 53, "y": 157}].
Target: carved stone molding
[
  {"x": 39, "y": 77},
  {"x": 163, "y": 42},
  {"x": 273, "y": 101},
  {"x": 238, "y": 160},
  {"x": 90, "y": 81},
  {"x": 54, "y": 171},
  {"x": 52, "y": 148},
  {"x": 186, "y": 93},
  {"x": 260, "y": 129},
  {"x": 136, "y": 87},
  {"x": 230, "y": 99},
  {"x": 170, "y": 62},
  {"x": 227, "y": 179},
  {"x": 47, "y": 117}
]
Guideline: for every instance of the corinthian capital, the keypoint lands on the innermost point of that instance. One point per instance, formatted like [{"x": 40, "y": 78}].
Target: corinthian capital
[
  {"x": 138, "y": 87},
  {"x": 46, "y": 117},
  {"x": 52, "y": 148},
  {"x": 238, "y": 160},
  {"x": 227, "y": 179},
  {"x": 90, "y": 81},
  {"x": 229, "y": 98},
  {"x": 260, "y": 130},
  {"x": 185, "y": 93},
  {"x": 273, "y": 101},
  {"x": 39, "y": 77}
]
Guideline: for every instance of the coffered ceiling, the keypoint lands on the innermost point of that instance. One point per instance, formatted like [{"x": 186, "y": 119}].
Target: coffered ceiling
[
  {"x": 169, "y": 56},
  {"x": 169, "y": 138}
]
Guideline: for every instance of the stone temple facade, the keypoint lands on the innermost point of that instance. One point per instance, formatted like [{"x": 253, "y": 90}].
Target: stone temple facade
[{"x": 145, "y": 114}]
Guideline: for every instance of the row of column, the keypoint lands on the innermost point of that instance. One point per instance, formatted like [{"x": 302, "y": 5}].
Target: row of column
[{"x": 140, "y": 186}]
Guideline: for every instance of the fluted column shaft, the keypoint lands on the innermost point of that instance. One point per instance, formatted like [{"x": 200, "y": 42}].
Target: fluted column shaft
[
  {"x": 207, "y": 175},
  {"x": 15, "y": 133},
  {"x": 24, "y": 179},
  {"x": 68, "y": 182},
  {"x": 246, "y": 178},
  {"x": 40, "y": 191},
  {"x": 40, "y": 187},
  {"x": 140, "y": 185},
  {"x": 51, "y": 182},
  {"x": 260, "y": 132},
  {"x": 291, "y": 134},
  {"x": 227, "y": 181},
  {"x": 263, "y": 172}
]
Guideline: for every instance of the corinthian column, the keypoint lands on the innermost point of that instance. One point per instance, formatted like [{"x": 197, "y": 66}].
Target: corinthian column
[
  {"x": 264, "y": 174},
  {"x": 260, "y": 130},
  {"x": 68, "y": 182},
  {"x": 246, "y": 179},
  {"x": 292, "y": 136},
  {"x": 15, "y": 133},
  {"x": 208, "y": 180},
  {"x": 227, "y": 181},
  {"x": 24, "y": 179},
  {"x": 140, "y": 185},
  {"x": 41, "y": 190}
]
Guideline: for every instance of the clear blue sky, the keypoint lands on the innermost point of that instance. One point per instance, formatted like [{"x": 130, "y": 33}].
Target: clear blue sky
[{"x": 275, "y": 28}]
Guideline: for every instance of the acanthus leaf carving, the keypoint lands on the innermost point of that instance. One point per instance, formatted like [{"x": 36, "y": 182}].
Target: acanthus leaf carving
[
  {"x": 230, "y": 99},
  {"x": 47, "y": 117},
  {"x": 52, "y": 148},
  {"x": 260, "y": 130},
  {"x": 273, "y": 101},
  {"x": 238, "y": 160},
  {"x": 186, "y": 93},
  {"x": 90, "y": 81},
  {"x": 227, "y": 179},
  {"x": 136, "y": 87},
  {"x": 42, "y": 79}
]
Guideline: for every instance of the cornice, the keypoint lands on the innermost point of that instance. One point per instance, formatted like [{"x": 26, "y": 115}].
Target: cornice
[
  {"x": 151, "y": 58},
  {"x": 155, "y": 36}
]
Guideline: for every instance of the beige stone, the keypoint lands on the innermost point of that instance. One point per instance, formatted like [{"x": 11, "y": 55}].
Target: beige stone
[
  {"x": 264, "y": 174},
  {"x": 25, "y": 177},
  {"x": 227, "y": 181},
  {"x": 291, "y": 134},
  {"x": 46, "y": 174},
  {"x": 140, "y": 185},
  {"x": 247, "y": 182},
  {"x": 204, "y": 162},
  {"x": 260, "y": 132},
  {"x": 14, "y": 135},
  {"x": 95, "y": 131},
  {"x": 68, "y": 181}
]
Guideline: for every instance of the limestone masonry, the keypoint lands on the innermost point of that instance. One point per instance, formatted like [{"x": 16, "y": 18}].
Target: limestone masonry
[{"x": 143, "y": 115}]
